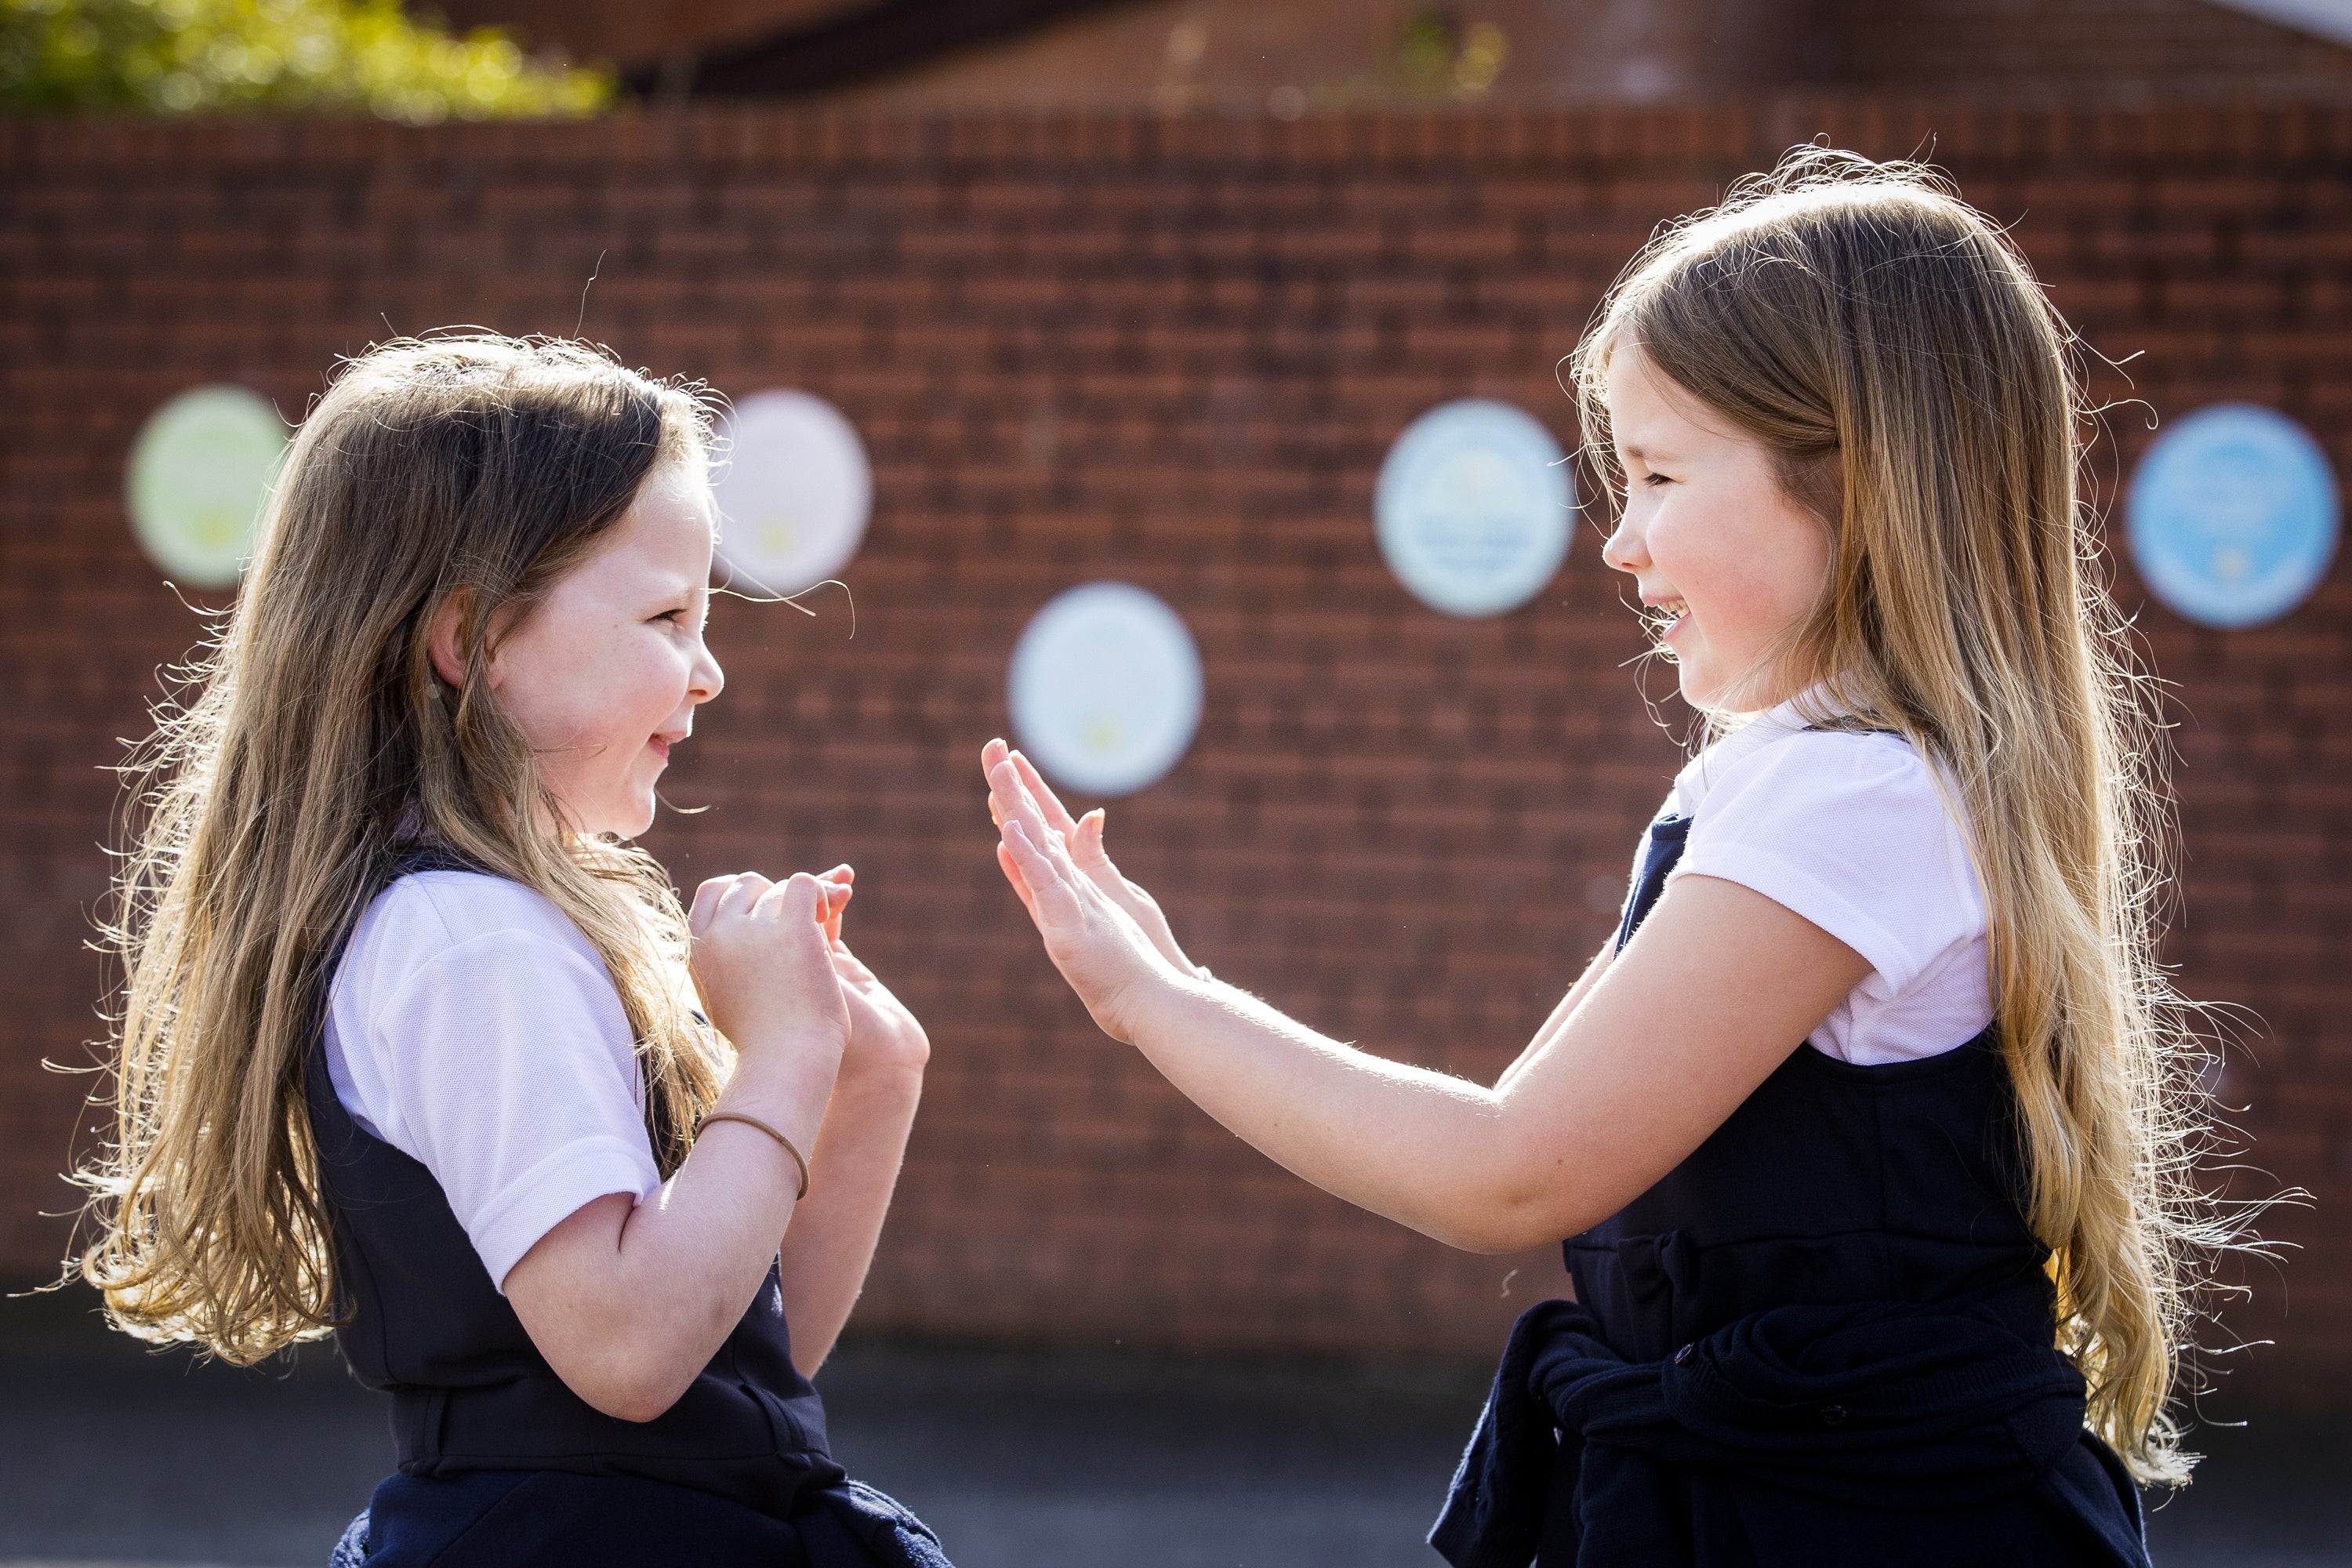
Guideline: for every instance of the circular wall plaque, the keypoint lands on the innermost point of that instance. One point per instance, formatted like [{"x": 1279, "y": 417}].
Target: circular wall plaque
[
  {"x": 1106, "y": 688},
  {"x": 2232, "y": 516},
  {"x": 200, "y": 472},
  {"x": 1472, "y": 507},
  {"x": 793, "y": 490}
]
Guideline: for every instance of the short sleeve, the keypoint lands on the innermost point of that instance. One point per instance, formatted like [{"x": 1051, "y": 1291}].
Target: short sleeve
[
  {"x": 511, "y": 1079},
  {"x": 1850, "y": 832}
]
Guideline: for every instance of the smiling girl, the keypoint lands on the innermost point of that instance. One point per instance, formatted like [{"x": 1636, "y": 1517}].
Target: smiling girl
[
  {"x": 1863, "y": 1129},
  {"x": 409, "y": 1046}
]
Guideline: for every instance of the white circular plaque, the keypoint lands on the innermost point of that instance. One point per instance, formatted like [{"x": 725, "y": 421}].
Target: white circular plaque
[
  {"x": 1106, "y": 688},
  {"x": 199, "y": 474},
  {"x": 1472, "y": 507},
  {"x": 2232, "y": 516},
  {"x": 793, "y": 490}
]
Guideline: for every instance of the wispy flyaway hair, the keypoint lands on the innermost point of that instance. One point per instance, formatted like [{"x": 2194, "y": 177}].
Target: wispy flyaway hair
[
  {"x": 317, "y": 744},
  {"x": 1889, "y": 347}
]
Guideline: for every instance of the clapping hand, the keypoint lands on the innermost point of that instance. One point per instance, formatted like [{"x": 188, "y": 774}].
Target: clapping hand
[
  {"x": 761, "y": 966},
  {"x": 882, "y": 1032},
  {"x": 1106, "y": 934}
]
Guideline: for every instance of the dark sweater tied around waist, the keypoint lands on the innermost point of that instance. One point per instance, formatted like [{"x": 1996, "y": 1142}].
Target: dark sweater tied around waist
[
  {"x": 1826, "y": 1337},
  {"x": 1797, "y": 1435}
]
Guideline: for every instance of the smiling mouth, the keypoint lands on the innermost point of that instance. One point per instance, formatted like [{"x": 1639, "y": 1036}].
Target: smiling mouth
[{"x": 1665, "y": 615}]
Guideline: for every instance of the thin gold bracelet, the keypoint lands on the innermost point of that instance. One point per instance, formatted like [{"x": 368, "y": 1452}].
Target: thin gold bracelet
[{"x": 755, "y": 1121}]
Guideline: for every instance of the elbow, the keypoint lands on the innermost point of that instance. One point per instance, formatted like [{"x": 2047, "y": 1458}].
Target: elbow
[
  {"x": 1492, "y": 1238},
  {"x": 1513, "y": 1218},
  {"x": 634, "y": 1406},
  {"x": 625, "y": 1388}
]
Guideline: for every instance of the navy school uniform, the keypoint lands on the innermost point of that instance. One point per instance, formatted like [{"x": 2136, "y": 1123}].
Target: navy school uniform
[
  {"x": 502, "y": 1466},
  {"x": 1825, "y": 1338}
]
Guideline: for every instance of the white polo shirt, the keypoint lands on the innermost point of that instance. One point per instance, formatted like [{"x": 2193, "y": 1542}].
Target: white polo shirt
[
  {"x": 473, "y": 1027},
  {"x": 1850, "y": 832}
]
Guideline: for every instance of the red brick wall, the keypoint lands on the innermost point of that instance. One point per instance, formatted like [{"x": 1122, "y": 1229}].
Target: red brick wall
[
  {"x": 1341, "y": 53},
  {"x": 1175, "y": 353},
  {"x": 2137, "y": 52}
]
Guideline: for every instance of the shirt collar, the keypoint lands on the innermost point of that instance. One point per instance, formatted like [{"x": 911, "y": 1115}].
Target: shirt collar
[{"x": 1777, "y": 723}]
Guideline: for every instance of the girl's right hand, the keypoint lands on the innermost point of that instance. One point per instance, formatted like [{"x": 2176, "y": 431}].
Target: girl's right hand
[
  {"x": 762, "y": 965},
  {"x": 1094, "y": 936}
]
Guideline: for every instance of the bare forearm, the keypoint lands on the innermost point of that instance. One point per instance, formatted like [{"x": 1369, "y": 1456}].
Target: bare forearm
[
  {"x": 1422, "y": 1148},
  {"x": 629, "y": 1300},
  {"x": 1558, "y": 1021},
  {"x": 831, "y": 1244}
]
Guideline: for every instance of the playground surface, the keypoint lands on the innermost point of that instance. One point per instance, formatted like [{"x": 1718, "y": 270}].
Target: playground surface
[{"x": 111, "y": 1456}]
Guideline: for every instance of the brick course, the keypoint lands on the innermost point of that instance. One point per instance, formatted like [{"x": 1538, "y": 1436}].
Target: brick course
[{"x": 1175, "y": 352}]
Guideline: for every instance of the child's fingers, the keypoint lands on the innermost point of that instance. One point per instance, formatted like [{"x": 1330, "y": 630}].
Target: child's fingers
[
  {"x": 1057, "y": 816},
  {"x": 741, "y": 895},
  {"x": 1012, "y": 869},
  {"x": 1056, "y": 848},
  {"x": 990, "y": 754},
  {"x": 1087, "y": 843},
  {"x": 1037, "y": 865},
  {"x": 706, "y": 903},
  {"x": 797, "y": 899},
  {"x": 1027, "y": 820},
  {"x": 1014, "y": 795}
]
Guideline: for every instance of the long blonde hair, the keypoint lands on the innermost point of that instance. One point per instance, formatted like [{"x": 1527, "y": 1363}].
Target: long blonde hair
[
  {"x": 1892, "y": 350},
  {"x": 319, "y": 746}
]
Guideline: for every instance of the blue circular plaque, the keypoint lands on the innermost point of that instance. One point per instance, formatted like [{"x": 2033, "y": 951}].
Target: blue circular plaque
[
  {"x": 1473, "y": 507},
  {"x": 2234, "y": 515}
]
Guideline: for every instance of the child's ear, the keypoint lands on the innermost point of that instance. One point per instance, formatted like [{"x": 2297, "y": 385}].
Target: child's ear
[{"x": 441, "y": 638}]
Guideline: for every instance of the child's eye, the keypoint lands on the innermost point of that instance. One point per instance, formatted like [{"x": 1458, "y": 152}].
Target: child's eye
[{"x": 1653, "y": 480}]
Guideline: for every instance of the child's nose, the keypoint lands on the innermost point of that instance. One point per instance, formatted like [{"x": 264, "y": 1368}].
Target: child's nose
[{"x": 1625, "y": 550}]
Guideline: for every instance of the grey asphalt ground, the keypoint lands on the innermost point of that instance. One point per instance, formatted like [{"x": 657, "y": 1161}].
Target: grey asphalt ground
[{"x": 116, "y": 1457}]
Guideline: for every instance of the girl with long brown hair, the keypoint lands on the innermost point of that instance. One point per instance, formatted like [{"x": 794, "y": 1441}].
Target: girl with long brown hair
[
  {"x": 1871, "y": 1129},
  {"x": 410, "y": 1045}
]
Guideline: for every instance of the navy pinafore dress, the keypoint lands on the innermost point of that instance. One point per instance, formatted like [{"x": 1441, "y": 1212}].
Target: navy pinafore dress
[
  {"x": 502, "y": 1466},
  {"x": 1825, "y": 1338}
]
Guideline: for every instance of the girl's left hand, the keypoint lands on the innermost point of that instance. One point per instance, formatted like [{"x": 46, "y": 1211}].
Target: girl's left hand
[
  {"x": 1092, "y": 936},
  {"x": 882, "y": 1032},
  {"x": 1084, "y": 840}
]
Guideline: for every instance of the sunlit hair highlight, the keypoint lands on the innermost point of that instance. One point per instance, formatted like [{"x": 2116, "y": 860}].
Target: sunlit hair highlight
[
  {"x": 1891, "y": 349},
  {"x": 317, "y": 747}
]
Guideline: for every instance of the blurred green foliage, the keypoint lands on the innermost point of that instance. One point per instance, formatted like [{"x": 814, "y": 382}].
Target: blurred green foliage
[
  {"x": 1434, "y": 56},
  {"x": 183, "y": 56}
]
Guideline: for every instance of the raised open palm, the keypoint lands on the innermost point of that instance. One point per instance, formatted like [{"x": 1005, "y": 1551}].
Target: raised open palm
[{"x": 1106, "y": 934}]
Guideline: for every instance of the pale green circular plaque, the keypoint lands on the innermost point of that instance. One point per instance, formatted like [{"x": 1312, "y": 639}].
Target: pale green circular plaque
[{"x": 199, "y": 473}]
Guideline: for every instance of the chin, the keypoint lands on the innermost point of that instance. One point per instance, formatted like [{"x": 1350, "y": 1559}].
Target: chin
[
  {"x": 625, "y": 824},
  {"x": 1698, "y": 692}
]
